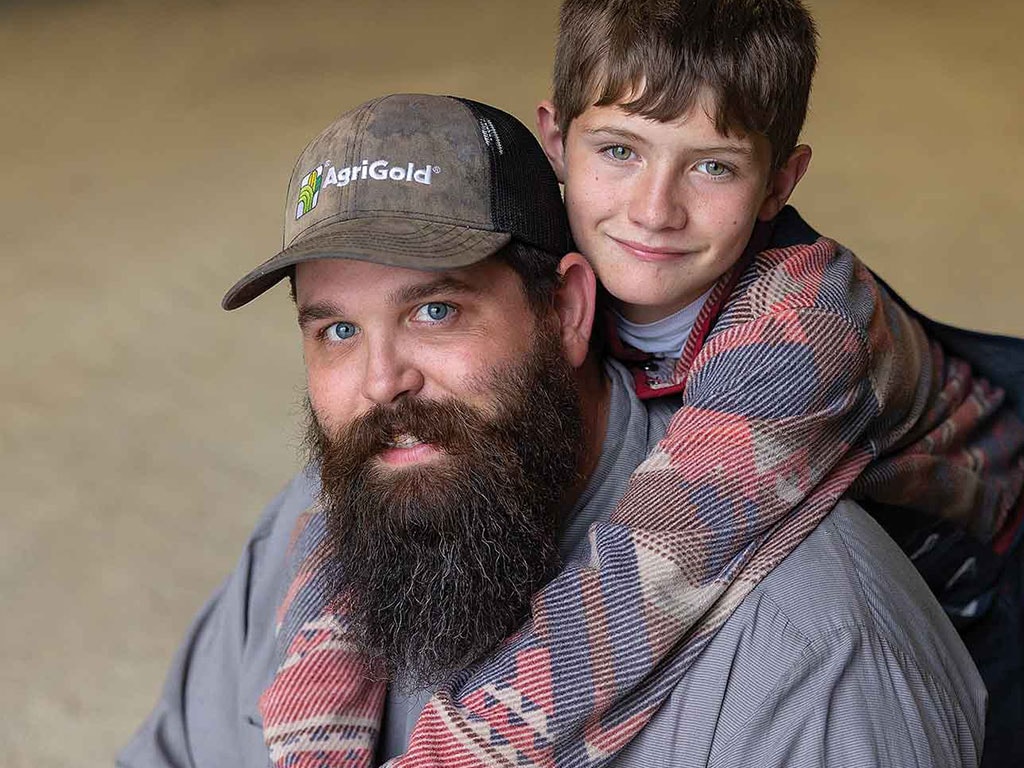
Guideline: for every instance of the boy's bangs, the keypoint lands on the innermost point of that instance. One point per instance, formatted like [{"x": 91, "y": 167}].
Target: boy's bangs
[
  {"x": 748, "y": 63},
  {"x": 653, "y": 87}
]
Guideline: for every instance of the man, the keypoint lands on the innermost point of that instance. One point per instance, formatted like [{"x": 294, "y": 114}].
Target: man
[{"x": 446, "y": 577}]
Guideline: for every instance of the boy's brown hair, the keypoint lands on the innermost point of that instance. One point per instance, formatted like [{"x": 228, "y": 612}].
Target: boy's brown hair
[{"x": 654, "y": 58}]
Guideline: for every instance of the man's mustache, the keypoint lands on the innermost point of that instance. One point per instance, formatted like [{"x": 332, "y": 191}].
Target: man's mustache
[{"x": 452, "y": 426}]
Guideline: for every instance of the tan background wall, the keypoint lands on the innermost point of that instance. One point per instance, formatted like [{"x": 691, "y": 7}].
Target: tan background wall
[{"x": 145, "y": 150}]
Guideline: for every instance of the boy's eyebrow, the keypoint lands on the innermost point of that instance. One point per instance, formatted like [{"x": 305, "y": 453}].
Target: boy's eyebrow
[
  {"x": 734, "y": 149},
  {"x": 622, "y": 133},
  {"x": 323, "y": 310}
]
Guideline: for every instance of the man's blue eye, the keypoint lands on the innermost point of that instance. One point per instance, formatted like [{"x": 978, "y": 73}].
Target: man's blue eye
[
  {"x": 434, "y": 312},
  {"x": 437, "y": 311},
  {"x": 341, "y": 331}
]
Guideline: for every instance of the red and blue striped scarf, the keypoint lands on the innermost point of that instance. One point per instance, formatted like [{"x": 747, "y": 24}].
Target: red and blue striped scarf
[{"x": 802, "y": 380}]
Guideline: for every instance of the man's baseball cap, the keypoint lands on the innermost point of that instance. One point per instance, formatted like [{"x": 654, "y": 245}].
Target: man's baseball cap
[{"x": 412, "y": 180}]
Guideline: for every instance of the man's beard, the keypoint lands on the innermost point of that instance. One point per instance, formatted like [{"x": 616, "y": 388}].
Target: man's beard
[{"x": 434, "y": 565}]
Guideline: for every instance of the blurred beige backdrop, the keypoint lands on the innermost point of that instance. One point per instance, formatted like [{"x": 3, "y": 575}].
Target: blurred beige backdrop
[{"x": 146, "y": 146}]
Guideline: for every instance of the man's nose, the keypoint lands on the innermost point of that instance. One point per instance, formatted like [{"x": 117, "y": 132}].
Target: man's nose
[
  {"x": 390, "y": 373},
  {"x": 658, "y": 201}
]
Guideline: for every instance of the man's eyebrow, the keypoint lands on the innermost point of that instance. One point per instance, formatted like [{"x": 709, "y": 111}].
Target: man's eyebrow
[
  {"x": 322, "y": 310},
  {"x": 420, "y": 291}
]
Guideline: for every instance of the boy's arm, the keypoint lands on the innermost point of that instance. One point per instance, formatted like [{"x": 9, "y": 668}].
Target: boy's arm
[{"x": 807, "y": 365}]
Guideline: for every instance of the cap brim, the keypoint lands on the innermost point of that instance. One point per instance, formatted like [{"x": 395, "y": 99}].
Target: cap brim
[{"x": 391, "y": 241}]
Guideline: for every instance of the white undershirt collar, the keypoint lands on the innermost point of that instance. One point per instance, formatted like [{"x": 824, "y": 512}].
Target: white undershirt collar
[{"x": 664, "y": 337}]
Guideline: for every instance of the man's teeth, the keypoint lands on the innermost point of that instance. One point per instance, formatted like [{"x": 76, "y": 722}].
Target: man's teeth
[{"x": 404, "y": 441}]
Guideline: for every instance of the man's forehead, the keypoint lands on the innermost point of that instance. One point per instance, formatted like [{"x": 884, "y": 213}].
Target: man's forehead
[{"x": 336, "y": 279}]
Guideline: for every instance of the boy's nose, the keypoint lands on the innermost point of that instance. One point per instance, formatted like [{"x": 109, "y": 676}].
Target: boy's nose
[
  {"x": 658, "y": 202},
  {"x": 389, "y": 374}
]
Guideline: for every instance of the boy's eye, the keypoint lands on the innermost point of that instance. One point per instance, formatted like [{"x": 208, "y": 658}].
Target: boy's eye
[
  {"x": 340, "y": 331},
  {"x": 713, "y": 168},
  {"x": 619, "y": 152},
  {"x": 434, "y": 312}
]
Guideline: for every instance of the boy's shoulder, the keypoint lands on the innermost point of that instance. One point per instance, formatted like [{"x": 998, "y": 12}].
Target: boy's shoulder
[
  {"x": 789, "y": 228},
  {"x": 797, "y": 270}
]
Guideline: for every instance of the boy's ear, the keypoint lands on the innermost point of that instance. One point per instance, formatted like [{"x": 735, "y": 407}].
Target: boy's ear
[
  {"x": 575, "y": 303},
  {"x": 551, "y": 138},
  {"x": 783, "y": 181}
]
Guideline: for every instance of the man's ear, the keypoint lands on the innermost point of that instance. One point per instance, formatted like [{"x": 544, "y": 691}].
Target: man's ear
[
  {"x": 783, "y": 181},
  {"x": 575, "y": 302},
  {"x": 551, "y": 138}
]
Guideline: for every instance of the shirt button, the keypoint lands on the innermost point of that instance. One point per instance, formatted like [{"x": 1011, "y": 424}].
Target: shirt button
[{"x": 650, "y": 366}]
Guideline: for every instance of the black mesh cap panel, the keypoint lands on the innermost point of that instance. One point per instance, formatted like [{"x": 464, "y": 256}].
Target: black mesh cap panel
[{"x": 526, "y": 200}]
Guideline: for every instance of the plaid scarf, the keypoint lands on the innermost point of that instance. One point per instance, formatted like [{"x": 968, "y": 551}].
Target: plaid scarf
[{"x": 800, "y": 378}]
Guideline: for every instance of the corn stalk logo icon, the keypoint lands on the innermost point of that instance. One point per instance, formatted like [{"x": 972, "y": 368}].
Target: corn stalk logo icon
[{"x": 309, "y": 192}]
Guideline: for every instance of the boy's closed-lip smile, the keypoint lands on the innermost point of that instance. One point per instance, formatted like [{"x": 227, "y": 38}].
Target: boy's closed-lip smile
[{"x": 650, "y": 253}]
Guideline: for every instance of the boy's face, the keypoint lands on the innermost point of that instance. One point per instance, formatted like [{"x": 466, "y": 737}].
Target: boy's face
[{"x": 661, "y": 209}]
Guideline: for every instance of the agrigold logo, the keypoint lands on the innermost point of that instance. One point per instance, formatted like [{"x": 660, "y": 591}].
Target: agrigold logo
[
  {"x": 368, "y": 170},
  {"x": 378, "y": 170},
  {"x": 309, "y": 191}
]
